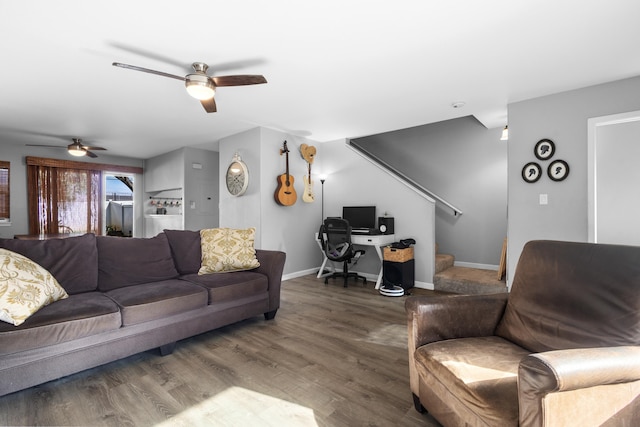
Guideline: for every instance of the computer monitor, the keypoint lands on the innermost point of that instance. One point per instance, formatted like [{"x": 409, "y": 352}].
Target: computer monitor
[{"x": 360, "y": 216}]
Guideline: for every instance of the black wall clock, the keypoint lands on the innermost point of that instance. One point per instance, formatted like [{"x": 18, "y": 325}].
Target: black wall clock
[{"x": 237, "y": 176}]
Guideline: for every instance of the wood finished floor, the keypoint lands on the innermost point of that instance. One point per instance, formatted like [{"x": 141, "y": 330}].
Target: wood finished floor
[{"x": 333, "y": 356}]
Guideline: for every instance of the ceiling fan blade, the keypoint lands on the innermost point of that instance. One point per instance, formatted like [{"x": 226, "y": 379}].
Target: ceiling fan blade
[
  {"x": 44, "y": 145},
  {"x": 149, "y": 54},
  {"x": 90, "y": 154},
  {"x": 235, "y": 65},
  {"x": 93, "y": 148},
  {"x": 147, "y": 70},
  {"x": 239, "y": 80},
  {"x": 209, "y": 105}
]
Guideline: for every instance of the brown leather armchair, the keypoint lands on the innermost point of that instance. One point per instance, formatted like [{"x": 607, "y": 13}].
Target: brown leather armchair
[{"x": 561, "y": 349}]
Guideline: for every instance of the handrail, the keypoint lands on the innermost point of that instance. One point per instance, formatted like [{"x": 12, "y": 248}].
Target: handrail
[{"x": 420, "y": 189}]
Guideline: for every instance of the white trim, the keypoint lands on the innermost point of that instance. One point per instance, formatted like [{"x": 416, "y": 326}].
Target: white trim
[
  {"x": 592, "y": 198},
  {"x": 475, "y": 265},
  {"x": 370, "y": 277}
]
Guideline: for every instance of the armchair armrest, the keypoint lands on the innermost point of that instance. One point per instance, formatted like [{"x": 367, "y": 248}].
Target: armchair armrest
[
  {"x": 431, "y": 319},
  {"x": 542, "y": 374}
]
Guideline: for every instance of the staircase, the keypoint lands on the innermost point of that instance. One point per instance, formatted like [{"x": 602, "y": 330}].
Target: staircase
[{"x": 465, "y": 280}]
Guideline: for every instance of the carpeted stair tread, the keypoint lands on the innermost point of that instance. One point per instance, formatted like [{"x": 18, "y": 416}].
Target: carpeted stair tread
[
  {"x": 465, "y": 280},
  {"x": 443, "y": 262}
]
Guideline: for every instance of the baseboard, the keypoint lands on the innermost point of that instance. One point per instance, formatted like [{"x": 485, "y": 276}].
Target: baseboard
[
  {"x": 474, "y": 265},
  {"x": 424, "y": 285},
  {"x": 370, "y": 277},
  {"x": 297, "y": 274}
]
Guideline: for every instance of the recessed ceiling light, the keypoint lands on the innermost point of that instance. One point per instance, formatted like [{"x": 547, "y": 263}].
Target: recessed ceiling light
[{"x": 458, "y": 104}]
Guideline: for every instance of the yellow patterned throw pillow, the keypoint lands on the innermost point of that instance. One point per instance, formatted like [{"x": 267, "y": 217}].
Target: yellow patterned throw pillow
[
  {"x": 25, "y": 287},
  {"x": 227, "y": 249}
]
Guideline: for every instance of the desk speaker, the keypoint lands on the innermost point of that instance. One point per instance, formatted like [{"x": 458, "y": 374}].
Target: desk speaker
[
  {"x": 385, "y": 225},
  {"x": 399, "y": 273}
]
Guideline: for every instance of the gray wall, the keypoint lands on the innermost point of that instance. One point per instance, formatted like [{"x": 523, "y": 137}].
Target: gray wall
[
  {"x": 464, "y": 163},
  {"x": 350, "y": 179},
  {"x": 201, "y": 184},
  {"x": 562, "y": 118},
  {"x": 16, "y": 153}
]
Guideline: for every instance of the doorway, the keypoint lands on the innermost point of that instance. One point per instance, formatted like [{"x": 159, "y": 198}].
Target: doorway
[
  {"x": 118, "y": 199},
  {"x": 614, "y": 179}
]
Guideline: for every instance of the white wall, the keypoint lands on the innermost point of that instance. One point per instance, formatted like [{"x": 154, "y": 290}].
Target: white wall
[
  {"x": 618, "y": 205},
  {"x": 562, "y": 118}
]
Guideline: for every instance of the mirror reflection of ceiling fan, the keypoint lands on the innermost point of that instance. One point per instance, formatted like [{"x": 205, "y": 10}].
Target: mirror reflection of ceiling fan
[
  {"x": 201, "y": 86},
  {"x": 76, "y": 148}
]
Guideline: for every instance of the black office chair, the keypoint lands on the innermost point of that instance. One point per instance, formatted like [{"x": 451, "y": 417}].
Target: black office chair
[{"x": 337, "y": 247}]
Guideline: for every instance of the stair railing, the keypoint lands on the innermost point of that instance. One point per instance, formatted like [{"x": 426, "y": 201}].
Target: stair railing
[{"x": 409, "y": 182}]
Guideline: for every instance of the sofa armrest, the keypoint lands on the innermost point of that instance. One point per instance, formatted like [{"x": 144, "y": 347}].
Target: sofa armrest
[
  {"x": 572, "y": 370},
  {"x": 272, "y": 265},
  {"x": 431, "y": 319}
]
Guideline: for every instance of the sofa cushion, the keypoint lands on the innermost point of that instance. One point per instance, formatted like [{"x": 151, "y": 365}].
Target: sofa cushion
[
  {"x": 25, "y": 287},
  {"x": 151, "y": 301},
  {"x": 130, "y": 261},
  {"x": 78, "y": 316},
  {"x": 186, "y": 250},
  {"x": 574, "y": 295},
  {"x": 73, "y": 261},
  {"x": 223, "y": 287},
  {"x": 480, "y": 372},
  {"x": 227, "y": 249}
]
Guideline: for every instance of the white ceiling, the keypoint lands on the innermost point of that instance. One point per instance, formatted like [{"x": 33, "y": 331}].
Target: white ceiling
[{"x": 335, "y": 68}]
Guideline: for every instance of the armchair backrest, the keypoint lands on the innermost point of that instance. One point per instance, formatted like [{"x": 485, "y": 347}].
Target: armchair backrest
[
  {"x": 574, "y": 295},
  {"x": 337, "y": 246}
]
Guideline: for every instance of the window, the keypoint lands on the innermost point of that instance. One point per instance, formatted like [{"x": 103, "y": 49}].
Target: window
[
  {"x": 5, "y": 212},
  {"x": 66, "y": 196}
]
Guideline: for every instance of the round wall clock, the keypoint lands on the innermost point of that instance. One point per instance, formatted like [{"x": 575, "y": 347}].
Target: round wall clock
[
  {"x": 237, "y": 176},
  {"x": 531, "y": 172}
]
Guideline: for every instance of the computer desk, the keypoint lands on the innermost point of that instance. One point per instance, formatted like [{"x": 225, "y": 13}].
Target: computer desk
[{"x": 377, "y": 241}]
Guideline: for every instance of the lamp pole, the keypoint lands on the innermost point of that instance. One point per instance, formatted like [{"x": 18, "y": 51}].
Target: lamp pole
[{"x": 322, "y": 201}]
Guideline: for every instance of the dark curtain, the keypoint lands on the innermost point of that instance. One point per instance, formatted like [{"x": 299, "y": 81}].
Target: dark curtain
[
  {"x": 64, "y": 200},
  {"x": 4, "y": 189}
]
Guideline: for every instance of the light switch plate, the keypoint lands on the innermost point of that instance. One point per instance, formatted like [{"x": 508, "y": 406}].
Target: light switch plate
[{"x": 544, "y": 199}]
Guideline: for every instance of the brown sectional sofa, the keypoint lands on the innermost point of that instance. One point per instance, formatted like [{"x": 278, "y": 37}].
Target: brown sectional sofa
[{"x": 127, "y": 295}]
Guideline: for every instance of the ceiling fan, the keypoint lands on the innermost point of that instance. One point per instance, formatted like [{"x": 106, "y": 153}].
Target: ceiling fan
[
  {"x": 200, "y": 85},
  {"x": 77, "y": 148}
]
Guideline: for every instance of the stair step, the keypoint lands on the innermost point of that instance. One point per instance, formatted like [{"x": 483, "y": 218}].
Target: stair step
[
  {"x": 443, "y": 261},
  {"x": 465, "y": 280}
]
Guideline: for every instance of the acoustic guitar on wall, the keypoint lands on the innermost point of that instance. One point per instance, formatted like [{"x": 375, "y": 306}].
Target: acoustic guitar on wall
[
  {"x": 308, "y": 153},
  {"x": 285, "y": 194}
]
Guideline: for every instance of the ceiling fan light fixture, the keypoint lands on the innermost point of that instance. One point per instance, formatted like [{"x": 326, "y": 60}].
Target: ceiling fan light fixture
[
  {"x": 76, "y": 151},
  {"x": 199, "y": 86}
]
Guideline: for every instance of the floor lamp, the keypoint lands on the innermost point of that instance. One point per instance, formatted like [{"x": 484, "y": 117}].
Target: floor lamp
[
  {"x": 322, "y": 180},
  {"x": 322, "y": 219}
]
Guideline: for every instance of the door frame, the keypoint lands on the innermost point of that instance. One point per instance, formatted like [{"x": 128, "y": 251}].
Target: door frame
[{"x": 592, "y": 197}]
